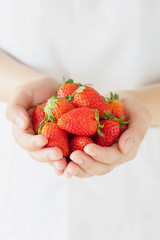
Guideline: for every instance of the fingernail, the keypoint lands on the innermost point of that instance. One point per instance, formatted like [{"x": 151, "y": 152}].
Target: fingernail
[
  {"x": 20, "y": 122},
  {"x": 58, "y": 165},
  {"x": 128, "y": 145},
  {"x": 90, "y": 151}
]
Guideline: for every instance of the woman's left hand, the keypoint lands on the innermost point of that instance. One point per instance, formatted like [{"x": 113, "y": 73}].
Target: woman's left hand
[{"x": 97, "y": 160}]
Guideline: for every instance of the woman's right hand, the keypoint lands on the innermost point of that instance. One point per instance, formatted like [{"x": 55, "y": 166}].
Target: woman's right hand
[{"x": 19, "y": 112}]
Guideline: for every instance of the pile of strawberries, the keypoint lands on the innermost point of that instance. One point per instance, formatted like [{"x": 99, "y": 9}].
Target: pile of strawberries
[{"x": 77, "y": 116}]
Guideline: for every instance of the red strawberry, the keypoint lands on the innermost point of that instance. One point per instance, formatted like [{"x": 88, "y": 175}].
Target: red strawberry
[
  {"x": 80, "y": 121},
  {"x": 79, "y": 142},
  {"x": 38, "y": 116},
  {"x": 67, "y": 88},
  {"x": 111, "y": 131},
  {"x": 86, "y": 96},
  {"x": 56, "y": 137},
  {"x": 56, "y": 107},
  {"x": 117, "y": 108}
]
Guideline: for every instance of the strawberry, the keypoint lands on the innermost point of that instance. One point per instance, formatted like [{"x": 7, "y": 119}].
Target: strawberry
[
  {"x": 111, "y": 130},
  {"x": 38, "y": 116},
  {"x": 56, "y": 107},
  {"x": 86, "y": 96},
  {"x": 117, "y": 108},
  {"x": 79, "y": 142},
  {"x": 67, "y": 88},
  {"x": 56, "y": 137},
  {"x": 80, "y": 121}
]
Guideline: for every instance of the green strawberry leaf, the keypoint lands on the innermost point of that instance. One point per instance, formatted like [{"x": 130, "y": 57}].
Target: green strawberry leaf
[
  {"x": 99, "y": 125},
  {"x": 109, "y": 115},
  {"x": 116, "y": 96},
  {"x": 48, "y": 114},
  {"x": 121, "y": 118},
  {"x": 52, "y": 119},
  {"x": 51, "y": 102},
  {"x": 99, "y": 130},
  {"x": 103, "y": 97},
  {"x": 69, "y": 98},
  {"x": 96, "y": 115},
  {"x": 105, "y": 117},
  {"x": 70, "y": 81},
  {"x": 40, "y": 129},
  {"x": 42, "y": 108},
  {"x": 113, "y": 97},
  {"x": 80, "y": 89}
]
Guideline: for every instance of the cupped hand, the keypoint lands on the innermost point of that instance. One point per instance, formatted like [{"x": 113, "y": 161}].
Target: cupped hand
[
  {"x": 97, "y": 160},
  {"x": 19, "y": 112}
]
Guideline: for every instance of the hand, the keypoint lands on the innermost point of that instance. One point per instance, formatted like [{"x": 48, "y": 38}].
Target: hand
[
  {"x": 97, "y": 160},
  {"x": 19, "y": 112}
]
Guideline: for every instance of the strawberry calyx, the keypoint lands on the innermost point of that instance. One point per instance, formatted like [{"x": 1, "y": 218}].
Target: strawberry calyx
[
  {"x": 49, "y": 117},
  {"x": 51, "y": 102},
  {"x": 79, "y": 90},
  {"x": 99, "y": 125},
  {"x": 111, "y": 116},
  {"x": 64, "y": 81},
  {"x": 113, "y": 97}
]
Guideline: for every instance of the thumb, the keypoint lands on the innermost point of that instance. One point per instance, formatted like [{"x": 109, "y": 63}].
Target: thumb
[
  {"x": 17, "y": 107},
  {"x": 138, "y": 126}
]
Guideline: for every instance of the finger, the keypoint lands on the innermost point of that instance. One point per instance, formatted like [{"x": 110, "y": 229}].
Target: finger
[
  {"x": 46, "y": 154},
  {"x": 74, "y": 170},
  {"x": 138, "y": 125},
  {"x": 17, "y": 107},
  {"x": 60, "y": 164},
  {"x": 89, "y": 165},
  {"x": 108, "y": 155},
  {"x": 58, "y": 172},
  {"x": 28, "y": 140}
]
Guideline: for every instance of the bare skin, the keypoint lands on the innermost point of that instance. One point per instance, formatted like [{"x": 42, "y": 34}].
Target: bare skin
[{"x": 31, "y": 87}]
